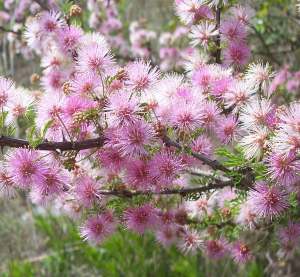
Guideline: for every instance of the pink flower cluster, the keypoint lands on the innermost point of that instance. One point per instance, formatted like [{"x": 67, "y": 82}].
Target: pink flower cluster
[{"x": 160, "y": 132}]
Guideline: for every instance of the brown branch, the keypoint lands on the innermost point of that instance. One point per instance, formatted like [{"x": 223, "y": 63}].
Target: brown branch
[
  {"x": 212, "y": 163},
  {"x": 182, "y": 191},
  {"x": 53, "y": 146},
  {"x": 218, "y": 41}
]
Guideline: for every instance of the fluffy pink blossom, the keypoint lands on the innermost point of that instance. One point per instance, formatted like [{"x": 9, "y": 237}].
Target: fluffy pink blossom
[
  {"x": 85, "y": 84},
  {"x": 202, "y": 145},
  {"x": 86, "y": 190},
  {"x": 141, "y": 218},
  {"x": 268, "y": 201},
  {"x": 233, "y": 30},
  {"x": 289, "y": 235},
  {"x": 237, "y": 54},
  {"x": 210, "y": 114},
  {"x": 141, "y": 76},
  {"x": 202, "y": 34},
  {"x": 134, "y": 137},
  {"x": 166, "y": 235},
  {"x": 283, "y": 168},
  {"x": 7, "y": 185},
  {"x": 51, "y": 185},
  {"x": 25, "y": 167},
  {"x": 98, "y": 227},
  {"x": 51, "y": 21},
  {"x": 227, "y": 128},
  {"x": 190, "y": 241},
  {"x": 186, "y": 116},
  {"x": 215, "y": 249},
  {"x": 164, "y": 167},
  {"x": 247, "y": 216},
  {"x": 123, "y": 108},
  {"x": 137, "y": 175},
  {"x": 240, "y": 252},
  {"x": 94, "y": 59},
  {"x": 69, "y": 38},
  {"x": 111, "y": 159}
]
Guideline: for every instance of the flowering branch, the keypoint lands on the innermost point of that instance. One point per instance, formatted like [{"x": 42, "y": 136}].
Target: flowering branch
[
  {"x": 52, "y": 145},
  {"x": 212, "y": 163},
  {"x": 182, "y": 192}
]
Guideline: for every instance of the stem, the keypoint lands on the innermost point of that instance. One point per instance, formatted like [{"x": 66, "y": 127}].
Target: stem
[
  {"x": 52, "y": 145},
  {"x": 212, "y": 163},
  {"x": 218, "y": 41},
  {"x": 64, "y": 126},
  {"x": 182, "y": 191}
]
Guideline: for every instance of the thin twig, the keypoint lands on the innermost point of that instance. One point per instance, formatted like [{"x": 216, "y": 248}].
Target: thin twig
[
  {"x": 212, "y": 163},
  {"x": 181, "y": 191}
]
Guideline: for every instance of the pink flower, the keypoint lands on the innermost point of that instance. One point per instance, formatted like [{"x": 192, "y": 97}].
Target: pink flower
[
  {"x": 215, "y": 249},
  {"x": 7, "y": 185},
  {"x": 51, "y": 185},
  {"x": 98, "y": 227},
  {"x": 283, "y": 168},
  {"x": 69, "y": 38},
  {"x": 53, "y": 80},
  {"x": 134, "y": 137},
  {"x": 186, "y": 117},
  {"x": 202, "y": 145},
  {"x": 203, "y": 77},
  {"x": 268, "y": 202},
  {"x": 141, "y": 76},
  {"x": 164, "y": 167},
  {"x": 94, "y": 59},
  {"x": 25, "y": 167},
  {"x": 85, "y": 84},
  {"x": 237, "y": 53},
  {"x": 141, "y": 218},
  {"x": 123, "y": 108},
  {"x": 111, "y": 159},
  {"x": 190, "y": 241},
  {"x": 210, "y": 114},
  {"x": 247, "y": 216},
  {"x": 166, "y": 235},
  {"x": 240, "y": 252},
  {"x": 86, "y": 191},
  {"x": 226, "y": 129},
  {"x": 233, "y": 30},
  {"x": 289, "y": 235},
  {"x": 220, "y": 86},
  {"x": 137, "y": 175},
  {"x": 51, "y": 22}
]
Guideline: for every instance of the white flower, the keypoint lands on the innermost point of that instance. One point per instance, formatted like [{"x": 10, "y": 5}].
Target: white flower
[
  {"x": 202, "y": 33},
  {"x": 254, "y": 143},
  {"x": 260, "y": 75},
  {"x": 19, "y": 103},
  {"x": 256, "y": 113},
  {"x": 239, "y": 94},
  {"x": 185, "y": 9}
]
